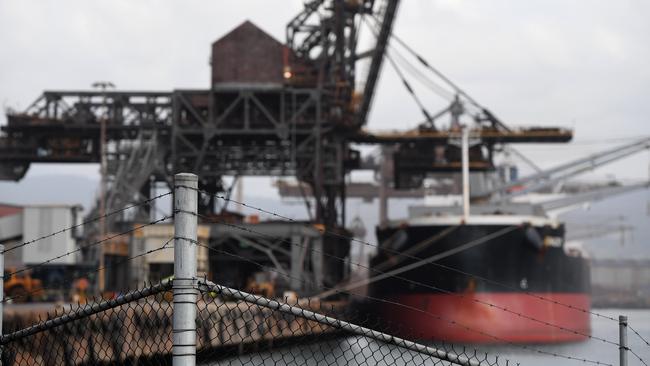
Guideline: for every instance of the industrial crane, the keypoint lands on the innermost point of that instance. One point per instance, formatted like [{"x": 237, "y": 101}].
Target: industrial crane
[
  {"x": 553, "y": 176},
  {"x": 293, "y": 117},
  {"x": 300, "y": 114},
  {"x": 298, "y": 126}
]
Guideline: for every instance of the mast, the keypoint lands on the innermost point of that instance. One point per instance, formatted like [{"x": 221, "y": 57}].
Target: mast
[{"x": 465, "y": 169}]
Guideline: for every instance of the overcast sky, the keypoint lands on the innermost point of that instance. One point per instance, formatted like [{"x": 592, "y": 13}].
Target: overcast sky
[{"x": 580, "y": 64}]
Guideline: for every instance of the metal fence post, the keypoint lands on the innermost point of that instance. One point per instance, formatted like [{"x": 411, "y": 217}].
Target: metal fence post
[
  {"x": 622, "y": 339},
  {"x": 184, "y": 286},
  {"x": 2, "y": 291}
]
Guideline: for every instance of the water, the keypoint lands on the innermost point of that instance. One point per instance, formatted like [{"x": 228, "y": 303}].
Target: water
[
  {"x": 593, "y": 349},
  {"x": 361, "y": 351}
]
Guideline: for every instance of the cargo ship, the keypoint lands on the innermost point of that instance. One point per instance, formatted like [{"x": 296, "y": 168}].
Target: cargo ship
[
  {"x": 494, "y": 273},
  {"x": 523, "y": 256}
]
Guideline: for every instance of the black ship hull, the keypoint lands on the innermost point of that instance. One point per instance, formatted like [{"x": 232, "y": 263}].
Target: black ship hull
[{"x": 529, "y": 272}]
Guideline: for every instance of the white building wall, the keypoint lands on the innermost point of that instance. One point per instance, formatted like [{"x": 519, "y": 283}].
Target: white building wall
[
  {"x": 39, "y": 221},
  {"x": 11, "y": 232},
  {"x": 152, "y": 238},
  {"x": 11, "y": 226}
]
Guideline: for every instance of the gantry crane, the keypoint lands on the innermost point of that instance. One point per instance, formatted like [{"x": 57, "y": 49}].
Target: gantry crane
[
  {"x": 303, "y": 123},
  {"x": 297, "y": 125},
  {"x": 296, "y": 128}
]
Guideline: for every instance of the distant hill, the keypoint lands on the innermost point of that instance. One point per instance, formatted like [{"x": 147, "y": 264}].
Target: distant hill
[{"x": 50, "y": 189}]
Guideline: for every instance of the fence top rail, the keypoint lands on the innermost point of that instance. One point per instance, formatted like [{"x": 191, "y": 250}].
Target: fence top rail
[
  {"x": 84, "y": 311},
  {"x": 208, "y": 286}
]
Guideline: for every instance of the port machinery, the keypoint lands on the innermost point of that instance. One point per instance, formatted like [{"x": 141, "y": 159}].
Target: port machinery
[{"x": 303, "y": 122}]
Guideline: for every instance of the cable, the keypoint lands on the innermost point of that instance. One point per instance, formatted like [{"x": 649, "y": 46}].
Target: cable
[
  {"x": 433, "y": 69},
  {"x": 421, "y": 262},
  {"x": 639, "y": 335},
  {"x": 421, "y": 77},
  {"x": 358, "y": 329},
  {"x": 438, "y": 317},
  {"x": 432, "y": 263},
  {"x": 129, "y": 231},
  {"x": 303, "y": 279},
  {"x": 406, "y": 84},
  {"x": 636, "y": 355},
  {"x": 82, "y": 311},
  {"x": 394, "y": 273},
  {"x": 141, "y": 203},
  {"x": 413, "y": 250},
  {"x": 409, "y": 89},
  {"x": 71, "y": 280},
  {"x": 331, "y": 233},
  {"x": 27, "y": 268}
]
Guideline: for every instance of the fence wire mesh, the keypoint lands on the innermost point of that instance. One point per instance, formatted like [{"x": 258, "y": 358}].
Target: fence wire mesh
[
  {"x": 133, "y": 328},
  {"x": 232, "y": 328},
  {"x": 245, "y": 329}
]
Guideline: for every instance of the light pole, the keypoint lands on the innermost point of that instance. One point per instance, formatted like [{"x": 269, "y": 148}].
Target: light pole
[{"x": 103, "y": 86}]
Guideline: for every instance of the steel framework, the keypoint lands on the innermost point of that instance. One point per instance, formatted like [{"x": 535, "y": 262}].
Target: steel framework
[
  {"x": 297, "y": 129},
  {"x": 302, "y": 127}
]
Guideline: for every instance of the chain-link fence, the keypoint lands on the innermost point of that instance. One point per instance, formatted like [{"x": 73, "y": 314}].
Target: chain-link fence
[
  {"x": 133, "y": 327},
  {"x": 189, "y": 320},
  {"x": 308, "y": 332},
  {"x": 232, "y": 328}
]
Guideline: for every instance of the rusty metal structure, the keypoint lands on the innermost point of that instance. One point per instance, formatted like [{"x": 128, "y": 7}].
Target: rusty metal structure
[
  {"x": 297, "y": 113},
  {"x": 292, "y": 114}
]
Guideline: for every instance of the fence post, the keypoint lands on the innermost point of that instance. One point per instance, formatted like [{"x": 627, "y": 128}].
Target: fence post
[
  {"x": 2, "y": 291},
  {"x": 622, "y": 339},
  {"x": 184, "y": 285}
]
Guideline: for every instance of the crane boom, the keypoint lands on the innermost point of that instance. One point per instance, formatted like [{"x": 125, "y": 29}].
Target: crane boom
[
  {"x": 377, "y": 59},
  {"x": 548, "y": 177},
  {"x": 591, "y": 196}
]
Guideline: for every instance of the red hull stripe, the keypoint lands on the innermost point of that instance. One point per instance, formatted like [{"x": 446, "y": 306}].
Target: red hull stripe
[{"x": 483, "y": 318}]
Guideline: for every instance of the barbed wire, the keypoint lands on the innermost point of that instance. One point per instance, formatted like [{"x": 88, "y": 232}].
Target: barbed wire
[
  {"x": 445, "y": 267},
  {"x": 70, "y": 281},
  {"x": 636, "y": 355},
  {"x": 638, "y": 335},
  {"x": 336, "y": 321},
  {"x": 432, "y": 287},
  {"x": 305, "y": 281},
  {"x": 328, "y": 254},
  {"x": 27, "y": 268},
  {"x": 451, "y": 321},
  {"x": 457, "y": 249},
  {"x": 356, "y": 240},
  {"x": 435, "y": 316},
  {"x": 115, "y": 324},
  {"x": 338, "y": 290},
  {"x": 73, "y": 314},
  {"x": 141, "y": 203}
]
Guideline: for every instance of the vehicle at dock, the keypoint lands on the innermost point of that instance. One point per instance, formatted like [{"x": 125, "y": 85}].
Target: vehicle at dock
[{"x": 21, "y": 286}]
